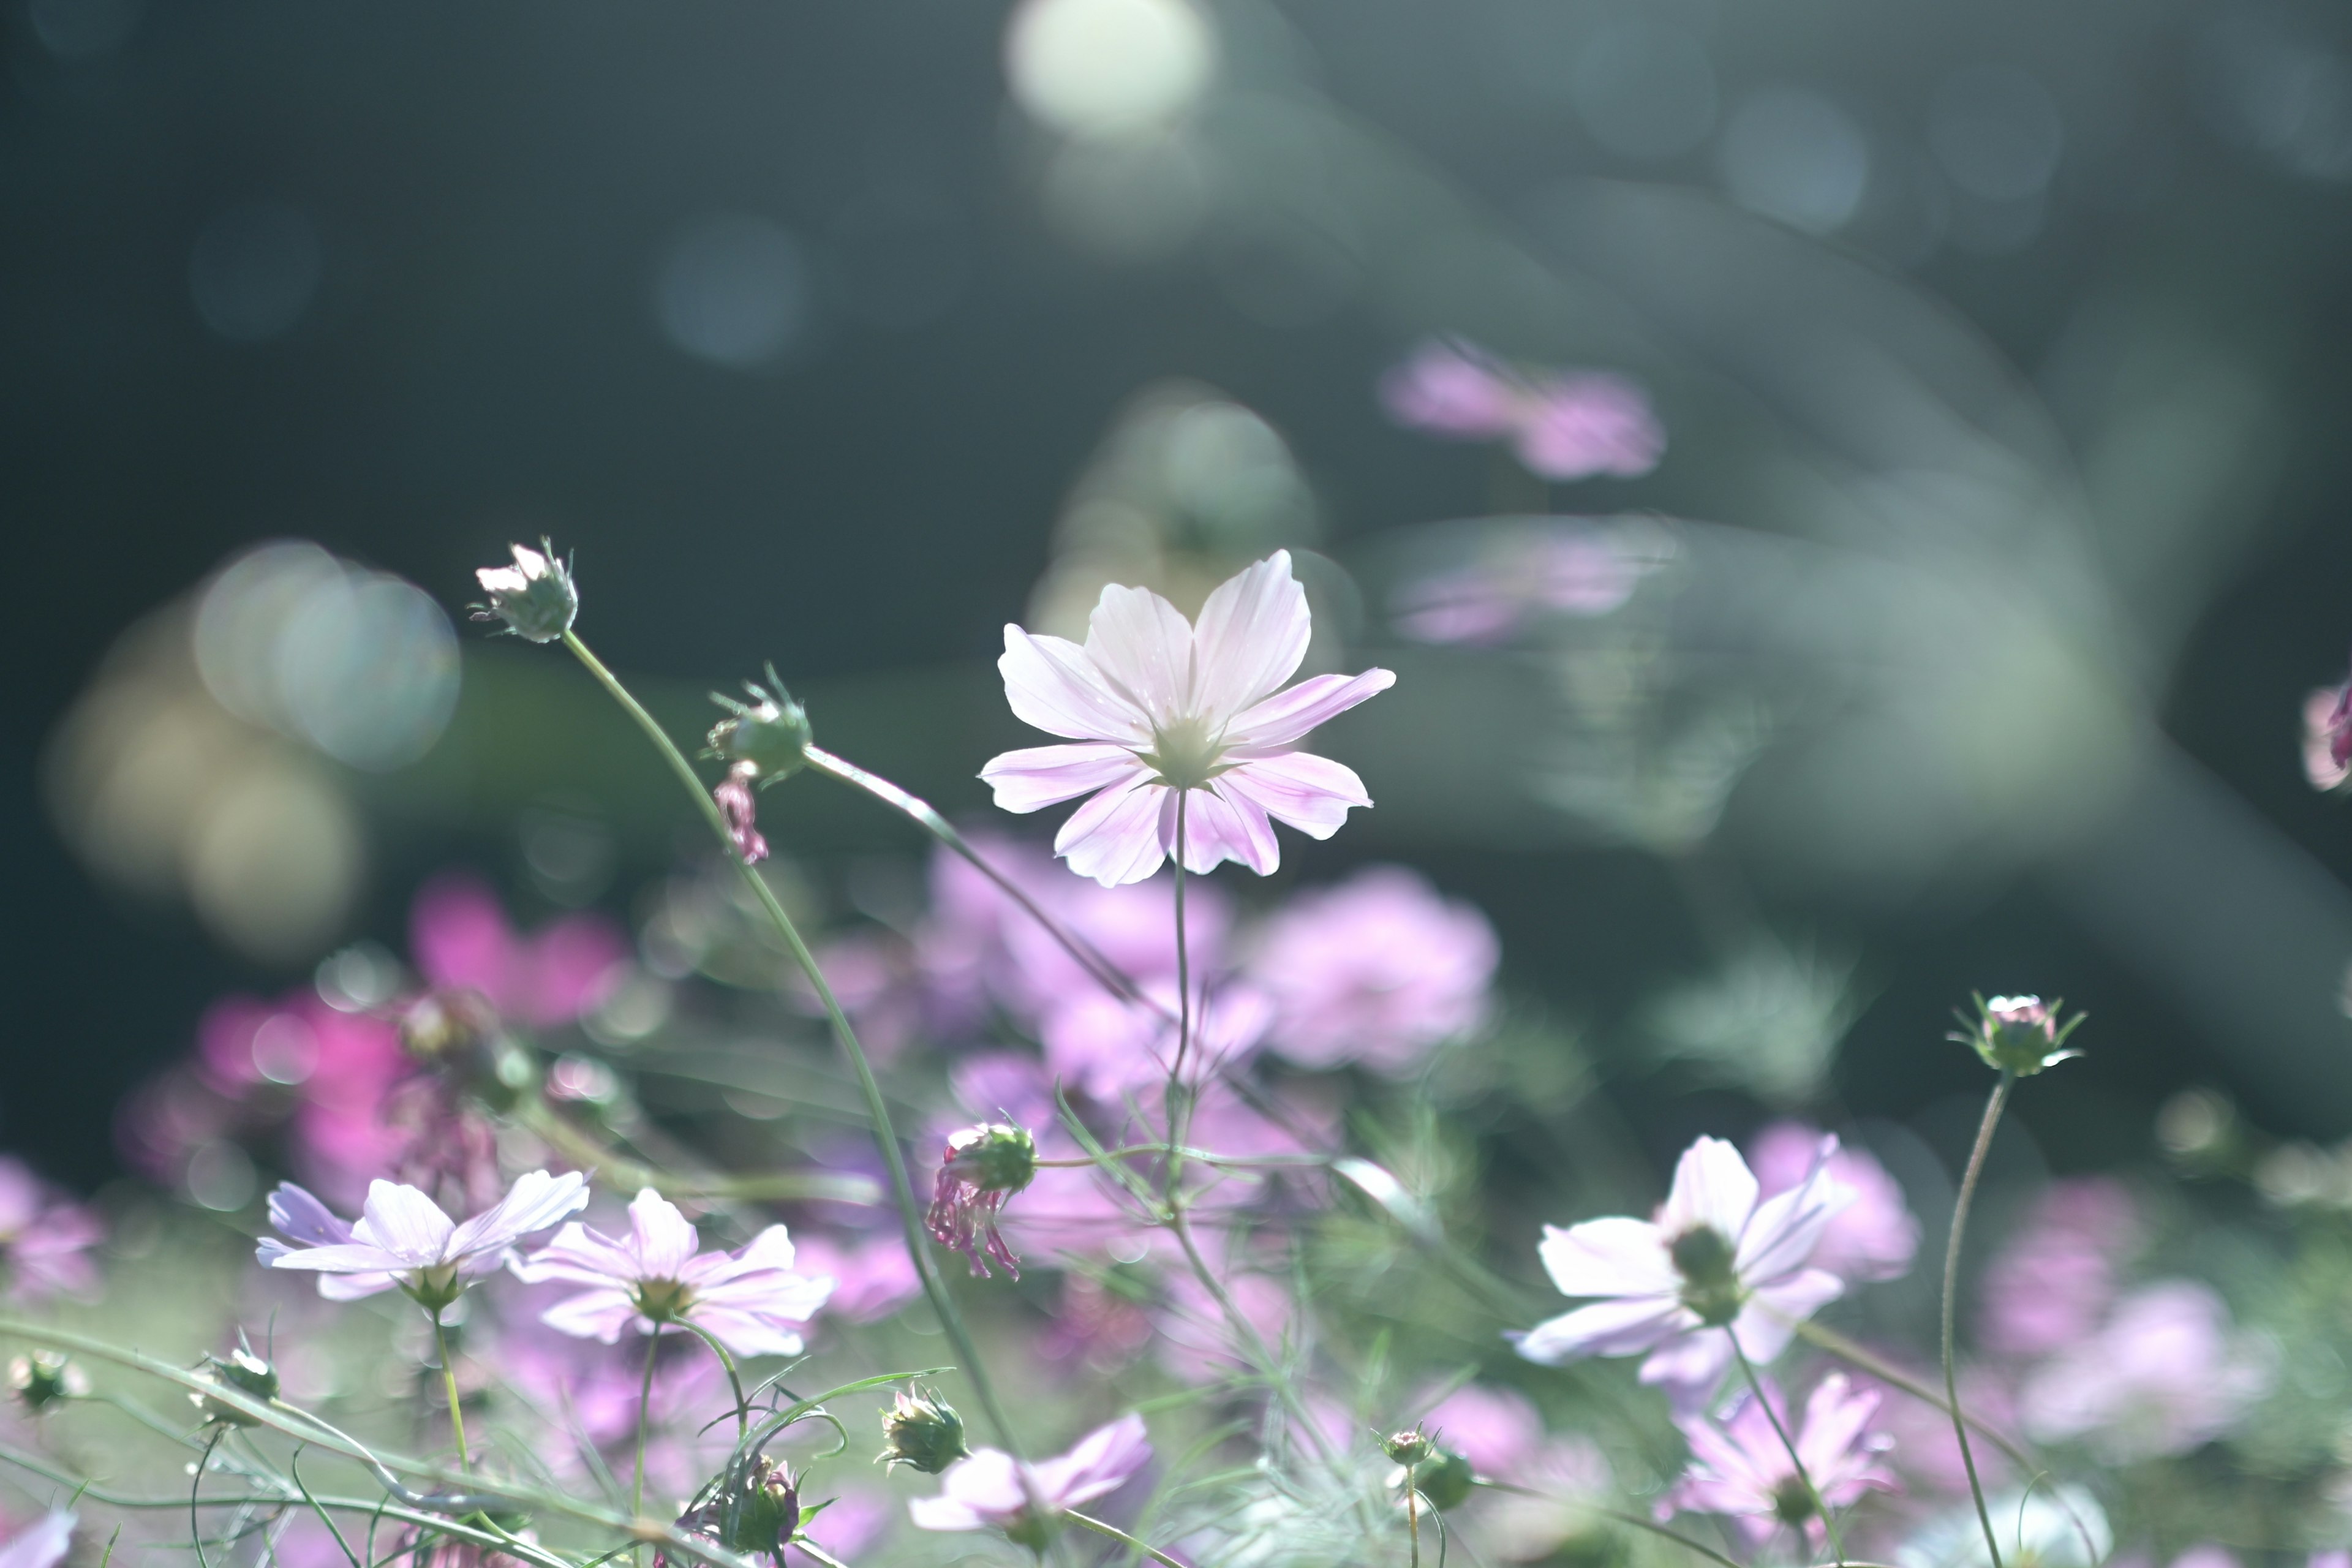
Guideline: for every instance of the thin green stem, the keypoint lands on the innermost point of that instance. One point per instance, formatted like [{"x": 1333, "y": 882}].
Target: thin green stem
[
  {"x": 1820, "y": 1503},
  {"x": 910, "y": 1213},
  {"x": 449, "y": 1385},
  {"x": 1993, "y": 1104},
  {"x": 1103, "y": 1527},
  {"x": 734, "y": 1377},
  {"x": 645, "y": 1420},
  {"x": 1412, "y": 1514}
]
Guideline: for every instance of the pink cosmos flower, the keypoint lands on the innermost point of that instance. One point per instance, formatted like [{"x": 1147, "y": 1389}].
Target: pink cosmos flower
[
  {"x": 2327, "y": 736},
  {"x": 589, "y": 1393},
  {"x": 1375, "y": 971},
  {"x": 1741, "y": 1469},
  {"x": 1105, "y": 1047},
  {"x": 1497, "y": 1430},
  {"x": 1566, "y": 566},
  {"x": 2050, "y": 1287},
  {"x": 2163, "y": 1375},
  {"x": 984, "y": 1491},
  {"x": 1167, "y": 711},
  {"x": 402, "y": 1238},
  {"x": 852, "y": 1523},
  {"x": 45, "y": 1237},
  {"x": 42, "y": 1543},
  {"x": 1561, "y": 426},
  {"x": 871, "y": 1280},
  {"x": 1713, "y": 1259},
  {"x": 1874, "y": 1237},
  {"x": 1196, "y": 1342},
  {"x": 654, "y": 1278},
  {"x": 460, "y": 939}
]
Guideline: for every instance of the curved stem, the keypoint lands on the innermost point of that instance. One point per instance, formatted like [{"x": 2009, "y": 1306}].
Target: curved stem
[
  {"x": 449, "y": 1384},
  {"x": 1820, "y": 1503},
  {"x": 910, "y": 1213},
  {"x": 1999, "y": 1098},
  {"x": 1103, "y": 1527},
  {"x": 734, "y": 1378}
]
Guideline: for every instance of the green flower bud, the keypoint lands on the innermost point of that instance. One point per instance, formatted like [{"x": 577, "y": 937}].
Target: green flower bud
[
  {"x": 1412, "y": 1447},
  {"x": 993, "y": 1157},
  {"x": 246, "y": 1373},
  {"x": 769, "y": 736},
  {"x": 2020, "y": 1035},
  {"x": 1443, "y": 1480},
  {"x": 923, "y": 1431},
  {"x": 534, "y": 598},
  {"x": 44, "y": 1377}
]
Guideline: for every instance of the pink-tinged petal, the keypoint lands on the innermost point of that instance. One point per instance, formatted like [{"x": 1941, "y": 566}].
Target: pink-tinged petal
[
  {"x": 1609, "y": 1257},
  {"x": 1444, "y": 390},
  {"x": 1040, "y": 776},
  {"x": 770, "y": 1292},
  {"x": 1623, "y": 1327},
  {"x": 1253, "y": 631},
  {"x": 746, "y": 1332},
  {"x": 662, "y": 1239},
  {"x": 1142, "y": 647},
  {"x": 943, "y": 1513},
  {"x": 1222, "y": 824},
  {"x": 1787, "y": 1228},
  {"x": 461, "y": 941},
  {"x": 771, "y": 1248},
  {"x": 1713, "y": 1188},
  {"x": 603, "y": 1315},
  {"x": 41, "y": 1543},
  {"x": 1576, "y": 426},
  {"x": 1053, "y": 685},
  {"x": 1100, "y": 1462},
  {"x": 298, "y": 1216},
  {"x": 1689, "y": 1368},
  {"x": 350, "y": 1257},
  {"x": 579, "y": 1256},
  {"x": 1287, "y": 717},
  {"x": 536, "y": 1200},
  {"x": 1770, "y": 1321},
  {"x": 354, "y": 1286},
  {"x": 1115, "y": 838},
  {"x": 402, "y": 1222},
  {"x": 1311, "y": 793},
  {"x": 981, "y": 1490}
]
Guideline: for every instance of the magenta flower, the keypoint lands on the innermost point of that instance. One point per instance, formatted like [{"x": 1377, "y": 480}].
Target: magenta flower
[
  {"x": 1715, "y": 1258},
  {"x": 985, "y": 1491},
  {"x": 1375, "y": 970},
  {"x": 871, "y": 1280},
  {"x": 654, "y": 1278},
  {"x": 742, "y": 808},
  {"x": 42, "y": 1543},
  {"x": 1560, "y": 426},
  {"x": 45, "y": 1237},
  {"x": 2163, "y": 1375},
  {"x": 1872, "y": 1237},
  {"x": 461, "y": 940},
  {"x": 2327, "y": 736},
  {"x": 1741, "y": 1469},
  {"x": 1167, "y": 711},
  {"x": 402, "y": 1238}
]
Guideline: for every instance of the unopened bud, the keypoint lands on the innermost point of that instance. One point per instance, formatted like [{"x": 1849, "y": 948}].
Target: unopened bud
[
  {"x": 44, "y": 1377},
  {"x": 923, "y": 1431},
  {"x": 768, "y": 738},
  {"x": 246, "y": 1373},
  {"x": 534, "y": 598},
  {"x": 1443, "y": 1480},
  {"x": 2020, "y": 1035},
  {"x": 1410, "y": 1448}
]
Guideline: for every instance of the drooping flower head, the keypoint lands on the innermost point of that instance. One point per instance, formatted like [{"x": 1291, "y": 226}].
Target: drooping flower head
[
  {"x": 1166, "y": 710},
  {"x": 654, "y": 1279},
  {"x": 983, "y": 1167},
  {"x": 988, "y": 1492},
  {"x": 535, "y": 597},
  {"x": 1561, "y": 426},
  {"x": 1740, "y": 1468},
  {"x": 401, "y": 1239},
  {"x": 1715, "y": 1258}
]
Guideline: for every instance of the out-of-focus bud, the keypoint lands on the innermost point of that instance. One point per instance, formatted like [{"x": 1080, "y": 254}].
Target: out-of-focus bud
[
  {"x": 246, "y": 1373},
  {"x": 2198, "y": 1128},
  {"x": 768, "y": 737},
  {"x": 1444, "y": 1479},
  {"x": 534, "y": 598},
  {"x": 923, "y": 1431},
  {"x": 2021, "y": 1035},
  {"x": 44, "y": 1377},
  {"x": 1410, "y": 1448},
  {"x": 442, "y": 1028}
]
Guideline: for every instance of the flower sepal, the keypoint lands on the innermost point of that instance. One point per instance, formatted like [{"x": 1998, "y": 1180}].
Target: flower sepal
[
  {"x": 2020, "y": 1035},
  {"x": 535, "y": 598},
  {"x": 767, "y": 739}
]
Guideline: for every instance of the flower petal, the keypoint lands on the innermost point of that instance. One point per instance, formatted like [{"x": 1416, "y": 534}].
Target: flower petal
[
  {"x": 1768, "y": 1322},
  {"x": 41, "y": 1543},
  {"x": 1040, "y": 776},
  {"x": 1115, "y": 837},
  {"x": 1786, "y": 1229},
  {"x": 1609, "y": 1257},
  {"x": 1713, "y": 1188},
  {"x": 579, "y": 1256},
  {"x": 1623, "y": 1327},
  {"x": 662, "y": 1240},
  {"x": 748, "y": 1333},
  {"x": 1142, "y": 645},
  {"x": 1688, "y": 1368},
  {"x": 1253, "y": 632},
  {"x": 1223, "y": 823},
  {"x": 1100, "y": 1462},
  {"x": 594, "y": 1315},
  {"x": 1287, "y": 716},
  {"x": 301, "y": 1217},
  {"x": 354, "y": 1286},
  {"x": 1052, "y": 684},
  {"x": 401, "y": 1221},
  {"x": 536, "y": 1200},
  {"x": 1310, "y": 792},
  {"x": 348, "y": 1258}
]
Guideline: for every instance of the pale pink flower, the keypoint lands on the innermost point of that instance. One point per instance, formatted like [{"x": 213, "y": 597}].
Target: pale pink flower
[
  {"x": 462, "y": 941},
  {"x": 653, "y": 1279},
  {"x": 871, "y": 1279},
  {"x": 852, "y": 1523},
  {"x": 1741, "y": 1469},
  {"x": 2327, "y": 736},
  {"x": 45, "y": 1237},
  {"x": 1375, "y": 970},
  {"x": 42, "y": 1543},
  {"x": 402, "y": 1238},
  {"x": 985, "y": 1489},
  {"x": 742, "y": 808},
  {"x": 2049, "y": 1288},
  {"x": 1872, "y": 1237},
  {"x": 1105, "y": 1047},
  {"x": 1197, "y": 1343},
  {"x": 1497, "y": 1430},
  {"x": 2165, "y": 1375},
  {"x": 1165, "y": 712},
  {"x": 1715, "y": 1258},
  {"x": 1561, "y": 424},
  {"x": 1561, "y": 566}
]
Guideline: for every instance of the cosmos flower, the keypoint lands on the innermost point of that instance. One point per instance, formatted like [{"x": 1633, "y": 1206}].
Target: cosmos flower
[
  {"x": 983, "y": 1169},
  {"x": 872, "y": 1278},
  {"x": 2163, "y": 1375},
  {"x": 654, "y": 1278},
  {"x": 1741, "y": 1469},
  {"x": 985, "y": 1492},
  {"x": 40, "y": 1545},
  {"x": 1561, "y": 426},
  {"x": 1715, "y": 1258},
  {"x": 2051, "y": 1286},
  {"x": 462, "y": 941},
  {"x": 1167, "y": 711},
  {"x": 402, "y": 1238},
  {"x": 45, "y": 1237}
]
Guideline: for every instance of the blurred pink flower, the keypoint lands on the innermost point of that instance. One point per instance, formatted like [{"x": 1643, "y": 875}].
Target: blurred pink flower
[
  {"x": 1375, "y": 970},
  {"x": 1105, "y": 1047},
  {"x": 588, "y": 1391},
  {"x": 1714, "y": 1262},
  {"x": 1198, "y": 1343},
  {"x": 40, "y": 1545},
  {"x": 1741, "y": 1469},
  {"x": 1497, "y": 1430},
  {"x": 45, "y": 1237},
  {"x": 1562, "y": 426},
  {"x": 2327, "y": 736},
  {"x": 871, "y": 1280},
  {"x": 402, "y": 1238},
  {"x": 2211, "y": 1556},
  {"x": 1168, "y": 710},
  {"x": 2051, "y": 1285},
  {"x": 1874, "y": 1237},
  {"x": 1561, "y": 566},
  {"x": 852, "y": 1523},
  {"x": 459, "y": 938},
  {"x": 985, "y": 1491},
  {"x": 654, "y": 1278},
  {"x": 1097, "y": 1324},
  {"x": 2165, "y": 1375}
]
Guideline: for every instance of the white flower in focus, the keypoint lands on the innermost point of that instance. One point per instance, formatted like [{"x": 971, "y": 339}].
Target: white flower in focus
[
  {"x": 1168, "y": 710},
  {"x": 403, "y": 1238}
]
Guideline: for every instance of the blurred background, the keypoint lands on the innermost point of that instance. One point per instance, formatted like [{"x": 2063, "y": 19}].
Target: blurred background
[{"x": 1957, "y": 640}]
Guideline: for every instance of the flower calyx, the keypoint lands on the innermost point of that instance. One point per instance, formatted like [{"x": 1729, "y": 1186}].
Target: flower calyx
[
  {"x": 535, "y": 599},
  {"x": 922, "y": 1431},
  {"x": 765, "y": 739},
  {"x": 246, "y": 1373},
  {"x": 2019, "y": 1035},
  {"x": 45, "y": 1378}
]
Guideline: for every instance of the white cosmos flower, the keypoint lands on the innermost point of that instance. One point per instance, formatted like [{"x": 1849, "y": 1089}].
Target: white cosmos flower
[{"x": 403, "y": 1238}]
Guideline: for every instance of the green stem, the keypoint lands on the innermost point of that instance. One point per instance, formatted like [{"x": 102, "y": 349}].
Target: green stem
[
  {"x": 1993, "y": 1104},
  {"x": 449, "y": 1383},
  {"x": 910, "y": 1213},
  {"x": 734, "y": 1378},
  {"x": 645, "y": 1420},
  {"x": 1820, "y": 1503},
  {"x": 1103, "y": 1527},
  {"x": 1412, "y": 1514}
]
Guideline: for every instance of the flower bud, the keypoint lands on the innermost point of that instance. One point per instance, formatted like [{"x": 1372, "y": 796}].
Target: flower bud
[
  {"x": 1443, "y": 1480},
  {"x": 2021, "y": 1035},
  {"x": 534, "y": 598},
  {"x": 1408, "y": 1449},
  {"x": 924, "y": 1431},
  {"x": 44, "y": 1377},
  {"x": 752, "y": 1507},
  {"x": 993, "y": 1157},
  {"x": 767, "y": 738},
  {"x": 246, "y": 1373}
]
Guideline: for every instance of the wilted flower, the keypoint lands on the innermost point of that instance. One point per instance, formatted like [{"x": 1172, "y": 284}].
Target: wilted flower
[
  {"x": 1740, "y": 1468},
  {"x": 535, "y": 597},
  {"x": 45, "y": 1237},
  {"x": 1375, "y": 971},
  {"x": 1713, "y": 1259},
  {"x": 742, "y": 810},
  {"x": 1561, "y": 426},
  {"x": 2021, "y": 1035},
  {"x": 44, "y": 1377},
  {"x": 767, "y": 738},
  {"x": 402, "y": 1238},
  {"x": 2162, "y": 1376},
  {"x": 2048, "y": 1526},
  {"x": 2327, "y": 736},
  {"x": 985, "y": 1166},
  {"x": 653, "y": 1279},
  {"x": 1873, "y": 1236},
  {"x": 1169, "y": 711},
  {"x": 923, "y": 1432},
  {"x": 42, "y": 1543},
  {"x": 989, "y": 1492}
]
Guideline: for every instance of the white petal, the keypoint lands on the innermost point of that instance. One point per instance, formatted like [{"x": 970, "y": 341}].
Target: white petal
[
  {"x": 582, "y": 1257},
  {"x": 1713, "y": 1187},
  {"x": 1143, "y": 646},
  {"x": 1770, "y": 1318},
  {"x": 1311, "y": 793},
  {"x": 354, "y": 1286},
  {"x": 348, "y": 1258},
  {"x": 1052, "y": 684},
  {"x": 663, "y": 1239},
  {"x": 1253, "y": 631},
  {"x": 403, "y": 1222},
  {"x": 1286, "y": 718},
  {"x": 301, "y": 1217},
  {"x": 40, "y": 1543},
  {"x": 1115, "y": 837},
  {"x": 1786, "y": 1229},
  {"x": 1623, "y": 1327},
  {"x": 1040, "y": 776},
  {"x": 748, "y": 1333},
  {"x": 1689, "y": 1368},
  {"x": 536, "y": 1200},
  {"x": 1609, "y": 1257},
  {"x": 594, "y": 1315},
  {"x": 1223, "y": 823}
]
